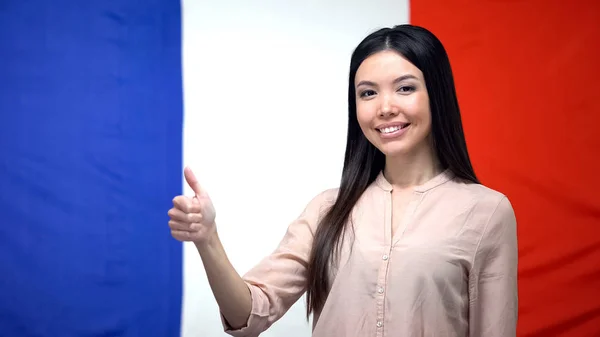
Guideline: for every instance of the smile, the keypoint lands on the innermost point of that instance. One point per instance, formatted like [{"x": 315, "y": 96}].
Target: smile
[
  {"x": 392, "y": 128},
  {"x": 393, "y": 131}
]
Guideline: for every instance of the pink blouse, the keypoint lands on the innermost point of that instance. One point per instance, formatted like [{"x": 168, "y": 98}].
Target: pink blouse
[{"x": 449, "y": 270}]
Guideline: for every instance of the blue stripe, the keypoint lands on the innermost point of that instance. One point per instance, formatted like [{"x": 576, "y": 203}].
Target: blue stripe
[{"x": 91, "y": 157}]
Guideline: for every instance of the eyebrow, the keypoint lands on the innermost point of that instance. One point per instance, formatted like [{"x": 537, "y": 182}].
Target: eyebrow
[{"x": 399, "y": 79}]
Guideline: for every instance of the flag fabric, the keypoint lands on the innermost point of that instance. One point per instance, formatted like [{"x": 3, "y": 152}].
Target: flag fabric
[
  {"x": 526, "y": 74},
  {"x": 90, "y": 141},
  {"x": 91, "y": 122}
]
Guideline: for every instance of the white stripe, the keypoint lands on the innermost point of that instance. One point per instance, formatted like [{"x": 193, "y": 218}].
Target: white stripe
[{"x": 265, "y": 123}]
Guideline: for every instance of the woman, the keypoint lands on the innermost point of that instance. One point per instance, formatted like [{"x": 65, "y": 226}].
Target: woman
[{"x": 410, "y": 244}]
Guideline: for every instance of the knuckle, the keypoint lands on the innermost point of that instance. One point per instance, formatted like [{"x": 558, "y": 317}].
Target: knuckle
[
  {"x": 180, "y": 235},
  {"x": 194, "y": 217},
  {"x": 196, "y": 226},
  {"x": 181, "y": 203},
  {"x": 177, "y": 200},
  {"x": 176, "y": 225}
]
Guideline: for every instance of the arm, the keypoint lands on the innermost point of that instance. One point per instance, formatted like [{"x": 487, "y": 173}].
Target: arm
[
  {"x": 493, "y": 289},
  {"x": 193, "y": 219},
  {"x": 279, "y": 280},
  {"x": 229, "y": 289}
]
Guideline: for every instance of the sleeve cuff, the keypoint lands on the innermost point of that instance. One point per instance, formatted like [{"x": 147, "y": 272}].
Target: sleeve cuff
[{"x": 258, "y": 319}]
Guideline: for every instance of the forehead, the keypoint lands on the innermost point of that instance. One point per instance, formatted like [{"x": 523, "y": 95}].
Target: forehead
[{"x": 386, "y": 65}]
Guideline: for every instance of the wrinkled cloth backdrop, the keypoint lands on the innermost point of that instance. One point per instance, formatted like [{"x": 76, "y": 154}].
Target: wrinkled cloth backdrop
[{"x": 92, "y": 121}]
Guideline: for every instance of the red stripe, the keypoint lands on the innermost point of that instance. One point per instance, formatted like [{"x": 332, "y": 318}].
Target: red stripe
[{"x": 528, "y": 74}]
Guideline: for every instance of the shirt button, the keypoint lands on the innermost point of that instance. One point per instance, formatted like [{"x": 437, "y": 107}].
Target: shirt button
[
  {"x": 385, "y": 257},
  {"x": 380, "y": 290},
  {"x": 379, "y": 324}
]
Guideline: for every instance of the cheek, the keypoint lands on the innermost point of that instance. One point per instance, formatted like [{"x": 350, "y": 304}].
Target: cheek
[
  {"x": 364, "y": 117},
  {"x": 418, "y": 109},
  {"x": 420, "y": 116},
  {"x": 425, "y": 118}
]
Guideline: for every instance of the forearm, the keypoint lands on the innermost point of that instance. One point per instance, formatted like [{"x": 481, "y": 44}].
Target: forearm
[{"x": 230, "y": 291}]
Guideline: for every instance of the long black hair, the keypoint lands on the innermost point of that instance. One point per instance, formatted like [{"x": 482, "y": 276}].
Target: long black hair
[{"x": 363, "y": 161}]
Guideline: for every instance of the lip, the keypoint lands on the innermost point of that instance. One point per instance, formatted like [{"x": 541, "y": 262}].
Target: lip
[
  {"x": 394, "y": 134},
  {"x": 390, "y": 125}
]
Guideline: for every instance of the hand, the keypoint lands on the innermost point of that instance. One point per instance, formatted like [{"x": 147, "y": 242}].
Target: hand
[{"x": 192, "y": 219}]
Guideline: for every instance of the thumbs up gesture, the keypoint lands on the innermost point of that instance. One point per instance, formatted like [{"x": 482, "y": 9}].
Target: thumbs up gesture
[{"x": 192, "y": 218}]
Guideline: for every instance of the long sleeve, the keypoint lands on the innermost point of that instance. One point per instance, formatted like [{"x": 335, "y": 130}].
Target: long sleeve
[
  {"x": 279, "y": 280},
  {"x": 493, "y": 290}
]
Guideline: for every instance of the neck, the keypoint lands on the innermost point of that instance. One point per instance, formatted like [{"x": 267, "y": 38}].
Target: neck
[{"x": 410, "y": 170}]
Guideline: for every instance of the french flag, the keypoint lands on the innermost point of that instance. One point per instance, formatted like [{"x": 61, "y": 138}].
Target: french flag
[{"x": 102, "y": 103}]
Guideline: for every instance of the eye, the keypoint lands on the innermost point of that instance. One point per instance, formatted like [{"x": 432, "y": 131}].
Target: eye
[
  {"x": 406, "y": 89},
  {"x": 367, "y": 93}
]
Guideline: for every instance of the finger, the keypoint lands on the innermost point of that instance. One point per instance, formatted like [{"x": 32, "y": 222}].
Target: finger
[
  {"x": 191, "y": 179},
  {"x": 186, "y": 204},
  {"x": 181, "y": 226},
  {"x": 179, "y": 215},
  {"x": 181, "y": 235}
]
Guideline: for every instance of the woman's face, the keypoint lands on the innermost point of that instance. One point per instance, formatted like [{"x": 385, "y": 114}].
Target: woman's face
[{"x": 392, "y": 104}]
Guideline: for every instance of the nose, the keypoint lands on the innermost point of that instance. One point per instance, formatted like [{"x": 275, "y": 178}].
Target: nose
[{"x": 387, "y": 108}]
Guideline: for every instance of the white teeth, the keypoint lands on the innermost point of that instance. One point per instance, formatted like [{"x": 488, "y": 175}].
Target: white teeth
[{"x": 389, "y": 130}]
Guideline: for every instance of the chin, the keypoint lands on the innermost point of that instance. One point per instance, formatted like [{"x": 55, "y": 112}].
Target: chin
[
  {"x": 393, "y": 150},
  {"x": 397, "y": 152},
  {"x": 403, "y": 148}
]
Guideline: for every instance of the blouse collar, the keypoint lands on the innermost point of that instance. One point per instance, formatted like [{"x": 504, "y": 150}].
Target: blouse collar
[{"x": 441, "y": 178}]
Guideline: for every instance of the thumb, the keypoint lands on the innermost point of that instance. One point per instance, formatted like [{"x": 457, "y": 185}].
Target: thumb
[{"x": 192, "y": 181}]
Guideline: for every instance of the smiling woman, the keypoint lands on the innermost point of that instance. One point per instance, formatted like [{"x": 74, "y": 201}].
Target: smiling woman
[
  {"x": 393, "y": 106},
  {"x": 410, "y": 244}
]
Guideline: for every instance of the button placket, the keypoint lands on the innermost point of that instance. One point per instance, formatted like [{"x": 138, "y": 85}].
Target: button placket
[{"x": 380, "y": 290}]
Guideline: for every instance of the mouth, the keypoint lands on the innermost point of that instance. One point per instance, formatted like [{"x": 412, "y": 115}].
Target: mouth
[{"x": 391, "y": 129}]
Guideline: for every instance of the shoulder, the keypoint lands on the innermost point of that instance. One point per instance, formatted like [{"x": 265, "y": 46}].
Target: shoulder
[
  {"x": 483, "y": 199},
  {"x": 496, "y": 221},
  {"x": 318, "y": 205},
  {"x": 494, "y": 203},
  {"x": 328, "y": 195},
  {"x": 322, "y": 201},
  {"x": 485, "y": 210}
]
